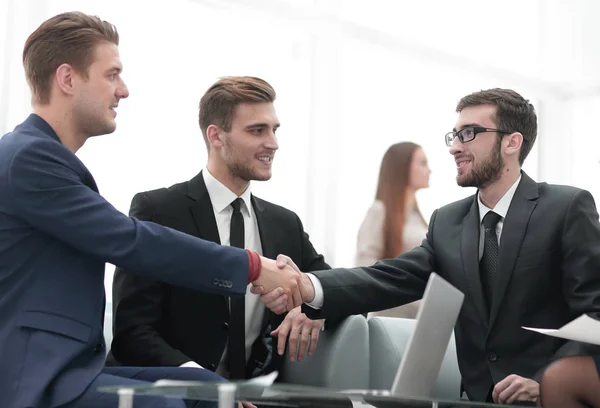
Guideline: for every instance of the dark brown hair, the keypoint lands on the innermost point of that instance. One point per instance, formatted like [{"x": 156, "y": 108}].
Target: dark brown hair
[
  {"x": 394, "y": 177},
  {"x": 513, "y": 114},
  {"x": 68, "y": 38},
  {"x": 217, "y": 106}
]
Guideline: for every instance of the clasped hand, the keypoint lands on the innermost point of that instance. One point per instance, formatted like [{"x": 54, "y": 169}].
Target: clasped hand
[
  {"x": 303, "y": 333},
  {"x": 281, "y": 284}
]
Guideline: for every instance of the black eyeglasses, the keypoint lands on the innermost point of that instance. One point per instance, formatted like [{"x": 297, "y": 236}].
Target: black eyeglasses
[{"x": 468, "y": 134}]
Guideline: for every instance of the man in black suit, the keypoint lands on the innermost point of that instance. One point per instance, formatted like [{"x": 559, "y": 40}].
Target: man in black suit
[
  {"x": 157, "y": 324},
  {"x": 523, "y": 253}
]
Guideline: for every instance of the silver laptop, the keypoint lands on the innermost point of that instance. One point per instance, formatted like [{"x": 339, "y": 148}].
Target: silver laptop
[{"x": 422, "y": 360}]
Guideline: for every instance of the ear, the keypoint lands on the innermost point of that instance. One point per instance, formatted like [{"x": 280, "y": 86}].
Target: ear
[
  {"x": 514, "y": 141},
  {"x": 65, "y": 79},
  {"x": 214, "y": 134}
]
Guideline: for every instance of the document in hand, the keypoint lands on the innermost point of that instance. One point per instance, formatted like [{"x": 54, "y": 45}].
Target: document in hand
[{"x": 584, "y": 329}]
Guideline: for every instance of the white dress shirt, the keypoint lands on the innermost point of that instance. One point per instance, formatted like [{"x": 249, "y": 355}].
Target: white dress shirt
[
  {"x": 501, "y": 209},
  {"x": 221, "y": 198}
]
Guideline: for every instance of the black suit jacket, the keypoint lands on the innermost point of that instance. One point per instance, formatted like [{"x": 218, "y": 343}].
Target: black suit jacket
[
  {"x": 548, "y": 274},
  {"x": 157, "y": 324}
]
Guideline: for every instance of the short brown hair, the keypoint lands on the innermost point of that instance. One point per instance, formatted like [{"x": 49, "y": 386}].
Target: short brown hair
[
  {"x": 513, "y": 114},
  {"x": 218, "y": 104},
  {"x": 68, "y": 38}
]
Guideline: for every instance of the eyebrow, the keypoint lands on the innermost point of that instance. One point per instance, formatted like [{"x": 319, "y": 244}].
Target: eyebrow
[
  {"x": 116, "y": 69},
  {"x": 468, "y": 125},
  {"x": 262, "y": 126}
]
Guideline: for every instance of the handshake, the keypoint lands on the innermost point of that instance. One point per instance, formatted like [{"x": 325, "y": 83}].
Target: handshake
[{"x": 281, "y": 285}]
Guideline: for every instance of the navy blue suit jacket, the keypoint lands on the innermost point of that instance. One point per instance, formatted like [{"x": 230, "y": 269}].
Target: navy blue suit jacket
[{"x": 56, "y": 233}]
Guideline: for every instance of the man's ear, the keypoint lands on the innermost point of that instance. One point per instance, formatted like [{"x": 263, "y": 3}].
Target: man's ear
[
  {"x": 515, "y": 141},
  {"x": 65, "y": 79},
  {"x": 214, "y": 134}
]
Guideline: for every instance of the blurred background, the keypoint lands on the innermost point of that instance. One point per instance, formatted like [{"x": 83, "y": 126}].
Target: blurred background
[{"x": 352, "y": 77}]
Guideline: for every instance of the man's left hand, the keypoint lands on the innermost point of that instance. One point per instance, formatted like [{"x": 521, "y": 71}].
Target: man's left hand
[
  {"x": 300, "y": 329},
  {"x": 515, "y": 388}
]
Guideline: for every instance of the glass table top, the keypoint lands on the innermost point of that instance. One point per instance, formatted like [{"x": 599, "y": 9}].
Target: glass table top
[{"x": 287, "y": 395}]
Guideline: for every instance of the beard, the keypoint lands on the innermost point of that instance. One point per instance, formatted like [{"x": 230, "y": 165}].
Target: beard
[
  {"x": 245, "y": 172},
  {"x": 484, "y": 174},
  {"x": 240, "y": 169}
]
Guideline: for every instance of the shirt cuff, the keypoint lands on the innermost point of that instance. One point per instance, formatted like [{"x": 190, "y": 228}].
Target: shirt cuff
[
  {"x": 317, "y": 302},
  {"x": 255, "y": 266},
  {"x": 191, "y": 364}
]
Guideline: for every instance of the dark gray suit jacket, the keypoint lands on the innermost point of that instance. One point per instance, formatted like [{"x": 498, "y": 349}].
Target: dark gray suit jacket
[{"x": 548, "y": 274}]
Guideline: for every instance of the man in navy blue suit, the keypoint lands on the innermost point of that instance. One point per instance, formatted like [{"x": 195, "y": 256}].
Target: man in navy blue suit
[{"x": 57, "y": 233}]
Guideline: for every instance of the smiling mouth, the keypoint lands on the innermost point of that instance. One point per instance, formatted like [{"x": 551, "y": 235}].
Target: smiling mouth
[
  {"x": 266, "y": 159},
  {"x": 462, "y": 163}
]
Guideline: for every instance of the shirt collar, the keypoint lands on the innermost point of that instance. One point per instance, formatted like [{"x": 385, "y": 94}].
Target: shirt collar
[
  {"x": 502, "y": 207},
  {"x": 220, "y": 196}
]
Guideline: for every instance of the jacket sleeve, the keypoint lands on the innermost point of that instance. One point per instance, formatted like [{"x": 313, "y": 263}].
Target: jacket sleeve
[
  {"x": 49, "y": 194},
  {"x": 388, "y": 283}
]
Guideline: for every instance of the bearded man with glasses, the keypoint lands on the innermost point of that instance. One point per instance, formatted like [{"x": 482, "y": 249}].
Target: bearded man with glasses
[{"x": 523, "y": 253}]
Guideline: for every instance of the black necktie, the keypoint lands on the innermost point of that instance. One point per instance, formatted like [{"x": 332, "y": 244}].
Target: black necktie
[
  {"x": 237, "y": 320},
  {"x": 489, "y": 259}
]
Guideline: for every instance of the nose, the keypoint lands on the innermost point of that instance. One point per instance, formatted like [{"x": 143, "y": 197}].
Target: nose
[
  {"x": 271, "y": 142},
  {"x": 456, "y": 147},
  {"x": 122, "y": 90}
]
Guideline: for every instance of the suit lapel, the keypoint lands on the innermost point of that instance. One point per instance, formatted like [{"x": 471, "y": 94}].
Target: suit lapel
[
  {"x": 270, "y": 236},
  {"x": 513, "y": 232},
  {"x": 470, "y": 256},
  {"x": 268, "y": 231},
  {"x": 268, "y": 241},
  {"x": 263, "y": 348},
  {"x": 202, "y": 210},
  {"x": 204, "y": 216}
]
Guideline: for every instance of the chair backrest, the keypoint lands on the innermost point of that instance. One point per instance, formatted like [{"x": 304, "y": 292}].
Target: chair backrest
[
  {"x": 388, "y": 338},
  {"x": 341, "y": 359}
]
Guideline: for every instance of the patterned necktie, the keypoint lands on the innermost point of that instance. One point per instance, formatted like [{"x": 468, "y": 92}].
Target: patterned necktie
[
  {"x": 237, "y": 321},
  {"x": 489, "y": 259}
]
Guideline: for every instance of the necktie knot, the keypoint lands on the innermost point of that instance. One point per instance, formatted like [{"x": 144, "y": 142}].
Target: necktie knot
[
  {"x": 236, "y": 204},
  {"x": 491, "y": 219}
]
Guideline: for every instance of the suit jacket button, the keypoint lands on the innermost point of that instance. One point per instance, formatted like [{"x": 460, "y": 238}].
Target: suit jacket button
[
  {"x": 225, "y": 326},
  {"x": 212, "y": 367},
  {"x": 492, "y": 357},
  {"x": 215, "y": 281},
  {"x": 99, "y": 348}
]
